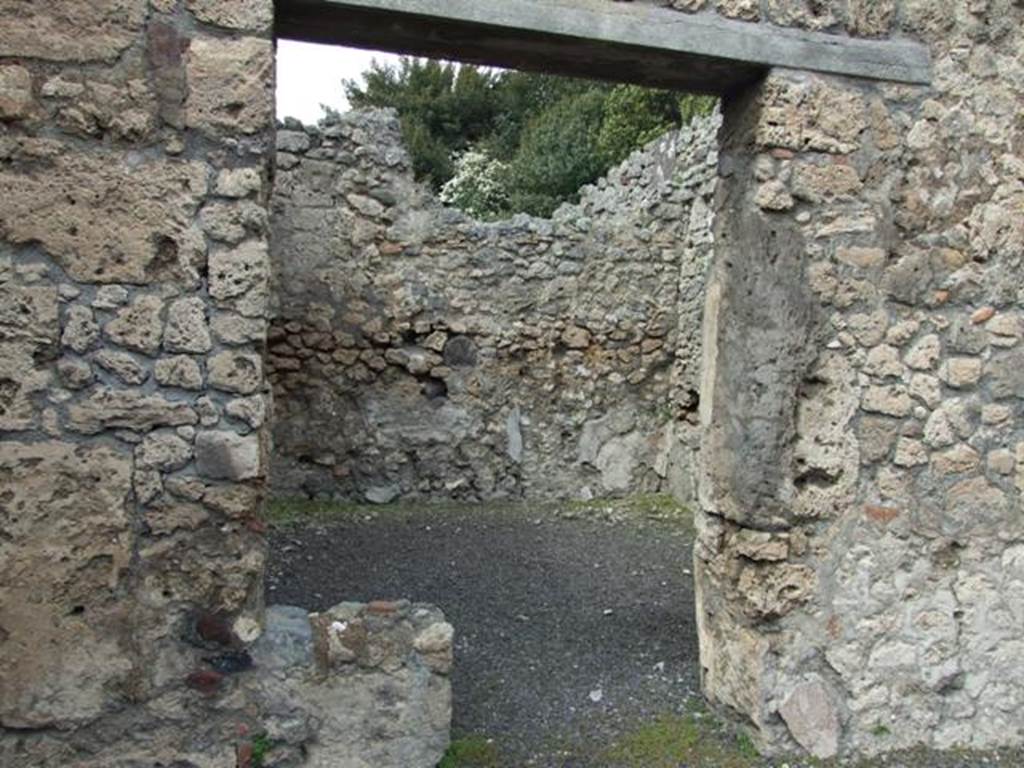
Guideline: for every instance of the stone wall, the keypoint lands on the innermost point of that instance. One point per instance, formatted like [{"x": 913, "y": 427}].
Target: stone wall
[
  {"x": 134, "y": 143},
  {"x": 415, "y": 352},
  {"x": 860, "y": 565}
]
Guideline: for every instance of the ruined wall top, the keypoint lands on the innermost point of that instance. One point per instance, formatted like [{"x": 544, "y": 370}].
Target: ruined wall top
[{"x": 419, "y": 352}]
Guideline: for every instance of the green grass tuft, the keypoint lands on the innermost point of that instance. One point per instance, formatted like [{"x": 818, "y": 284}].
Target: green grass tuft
[
  {"x": 471, "y": 752},
  {"x": 692, "y": 739},
  {"x": 261, "y": 747}
]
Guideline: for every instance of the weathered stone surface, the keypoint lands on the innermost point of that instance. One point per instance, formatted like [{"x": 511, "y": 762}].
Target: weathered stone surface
[
  {"x": 240, "y": 372},
  {"x": 232, "y": 222},
  {"x": 333, "y": 670},
  {"x": 54, "y": 31},
  {"x": 181, "y": 371},
  {"x": 22, "y": 380},
  {"x": 127, "y": 409},
  {"x": 75, "y": 374},
  {"x": 139, "y": 326},
  {"x": 239, "y": 278},
  {"x": 249, "y": 15},
  {"x": 222, "y": 455},
  {"x": 80, "y": 329},
  {"x": 251, "y": 410},
  {"x": 65, "y": 515},
  {"x": 811, "y": 717},
  {"x": 165, "y": 451},
  {"x": 15, "y": 92},
  {"x": 123, "y": 365},
  {"x": 186, "y": 329},
  {"x": 239, "y": 182},
  {"x": 229, "y": 83},
  {"x": 103, "y": 218}
]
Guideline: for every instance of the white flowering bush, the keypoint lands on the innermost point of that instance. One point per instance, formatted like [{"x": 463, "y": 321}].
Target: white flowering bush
[{"x": 479, "y": 186}]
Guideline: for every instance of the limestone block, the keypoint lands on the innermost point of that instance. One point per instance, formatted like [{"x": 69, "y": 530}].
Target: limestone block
[
  {"x": 761, "y": 545},
  {"x": 961, "y": 372},
  {"x": 22, "y": 379},
  {"x": 230, "y": 85},
  {"x": 236, "y": 371},
  {"x": 1004, "y": 374},
  {"x": 876, "y": 435},
  {"x": 249, "y": 15},
  {"x": 110, "y": 297},
  {"x": 230, "y": 328},
  {"x": 805, "y": 14},
  {"x": 69, "y": 30},
  {"x": 770, "y": 590},
  {"x": 747, "y": 10},
  {"x": 910, "y": 453},
  {"x": 232, "y": 222},
  {"x": 871, "y": 18},
  {"x": 251, "y": 410},
  {"x": 139, "y": 326},
  {"x": 15, "y": 92},
  {"x": 222, "y": 455},
  {"x": 575, "y": 337},
  {"x": 239, "y": 182},
  {"x": 74, "y": 373},
  {"x": 864, "y": 258},
  {"x": 926, "y": 388},
  {"x": 956, "y": 460},
  {"x": 884, "y": 362},
  {"x": 164, "y": 451},
  {"x": 829, "y": 181},
  {"x": 295, "y": 142},
  {"x": 80, "y": 329},
  {"x": 63, "y": 610},
  {"x": 29, "y": 313},
  {"x": 773, "y": 195},
  {"x": 810, "y": 115},
  {"x": 924, "y": 353},
  {"x": 123, "y": 365},
  {"x": 334, "y": 670},
  {"x": 239, "y": 278},
  {"x": 180, "y": 371},
  {"x": 127, "y": 409},
  {"x": 105, "y": 218},
  {"x": 812, "y": 719},
  {"x": 953, "y": 419},
  {"x": 891, "y": 400},
  {"x": 186, "y": 329}
]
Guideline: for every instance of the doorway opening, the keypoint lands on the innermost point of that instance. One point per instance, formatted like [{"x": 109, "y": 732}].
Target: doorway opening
[{"x": 485, "y": 358}]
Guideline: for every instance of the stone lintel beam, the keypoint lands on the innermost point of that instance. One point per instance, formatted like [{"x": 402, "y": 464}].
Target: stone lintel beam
[{"x": 625, "y": 42}]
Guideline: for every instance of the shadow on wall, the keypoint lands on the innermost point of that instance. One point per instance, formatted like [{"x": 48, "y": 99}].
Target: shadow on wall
[{"x": 416, "y": 352}]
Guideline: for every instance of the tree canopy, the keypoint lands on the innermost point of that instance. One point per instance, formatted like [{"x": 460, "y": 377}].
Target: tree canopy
[{"x": 497, "y": 143}]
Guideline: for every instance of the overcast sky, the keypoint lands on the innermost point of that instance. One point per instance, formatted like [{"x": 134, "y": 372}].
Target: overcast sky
[{"x": 309, "y": 75}]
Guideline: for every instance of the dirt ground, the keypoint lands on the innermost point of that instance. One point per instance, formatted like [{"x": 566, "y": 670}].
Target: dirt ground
[{"x": 575, "y": 638}]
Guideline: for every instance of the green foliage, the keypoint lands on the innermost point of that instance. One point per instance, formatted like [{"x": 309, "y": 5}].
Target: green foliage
[
  {"x": 471, "y": 752},
  {"x": 633, "y": 116},
  {"x": 479, "y": 186},
  {"x": 444, "y": 108},
  {"x": 694, "y": 740},
  {"x": 552, "y": 134},
  {"x": 557, "y": 154},
  {"x": 261, "y": 747}
]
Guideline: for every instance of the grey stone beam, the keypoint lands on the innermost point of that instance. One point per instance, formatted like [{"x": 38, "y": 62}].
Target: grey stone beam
[{"x": 620, "y": 41}]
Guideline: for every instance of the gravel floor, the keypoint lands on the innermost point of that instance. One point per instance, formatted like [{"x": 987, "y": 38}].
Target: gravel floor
[
  {"x": 567, "y": 629},
  {"x": 573, "y": 628}
]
